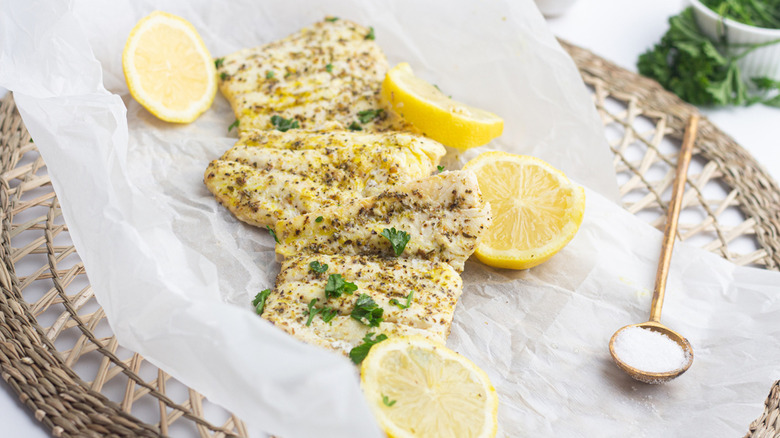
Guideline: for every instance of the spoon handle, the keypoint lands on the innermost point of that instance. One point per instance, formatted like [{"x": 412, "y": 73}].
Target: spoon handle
[{"x": 670, "y": 230}]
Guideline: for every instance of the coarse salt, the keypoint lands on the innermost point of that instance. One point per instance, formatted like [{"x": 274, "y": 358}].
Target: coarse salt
[{"x": 648, "y": 350}]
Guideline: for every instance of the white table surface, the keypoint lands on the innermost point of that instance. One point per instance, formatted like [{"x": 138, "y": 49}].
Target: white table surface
[{"x": 618, "y": 30}]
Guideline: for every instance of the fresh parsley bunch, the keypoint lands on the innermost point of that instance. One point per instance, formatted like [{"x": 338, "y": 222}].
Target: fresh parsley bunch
[{"x": 700, "y": 71}]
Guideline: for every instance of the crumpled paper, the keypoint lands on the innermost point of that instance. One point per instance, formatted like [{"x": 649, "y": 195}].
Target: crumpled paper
[{"x": 175, "y": 272}]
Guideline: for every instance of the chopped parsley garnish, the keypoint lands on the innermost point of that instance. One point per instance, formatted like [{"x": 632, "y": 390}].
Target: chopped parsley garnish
[
  {"x": 282, "y": 124},
  {"x": 233, "y": 125},
  {"x": 31, "y": 141},
  {"x": 318, "y": 220},
  {"x": 269, "y": 74},
  {"x": 223, "y": 75},
  {"x": 360, "y": 352},
  {"x": 337, "y": 286},
  {"x": 355, "y": 127},
  {"x": 329, "y": 68},
  {"x": 367, "y": 311},
  {"x": 318, "y": 267},
  {"x": 332, "y": 19},
  {"x": 369, "y": 115},
  {"x": 408, "y": 301},
  {"x": 312, "y": 311},
  {"x": 259, "y": 301},
  {"x": 387, "y": 402},
  {"x": 273, "y": 233},
  {"x": 398, "y": 239},
  {"x": 328, "y": 313},
  {"x": 370, "y": 35},
  {"x": 218, "y": 62},
  {"x": 441, "y": 168}
]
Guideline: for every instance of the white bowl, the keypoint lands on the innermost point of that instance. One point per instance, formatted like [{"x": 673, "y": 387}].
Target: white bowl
[
  {"x": 760, "y": 62},
  {"x": 553, "y": 8}
]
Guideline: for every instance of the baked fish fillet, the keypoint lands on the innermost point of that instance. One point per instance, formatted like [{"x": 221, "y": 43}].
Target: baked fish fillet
[
  {"x": 444, "y": 215},
  {"x": 322, "y": 76},
  {"x": 436, "y": 287},
  {"x": 347, "y": 160},
  {"x": 269, "y": 175}
]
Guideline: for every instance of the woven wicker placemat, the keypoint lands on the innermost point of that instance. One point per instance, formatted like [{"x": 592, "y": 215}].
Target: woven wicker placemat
[{"x": 59, "y": 355}]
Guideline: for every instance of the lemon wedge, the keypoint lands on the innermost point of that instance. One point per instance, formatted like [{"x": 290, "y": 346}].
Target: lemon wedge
[
  {"x": 168, "y": 68},
  {"x": 419, "y": 388},
  {"x": 536, "y": 209},
  {"x": 437, "y": 116}
]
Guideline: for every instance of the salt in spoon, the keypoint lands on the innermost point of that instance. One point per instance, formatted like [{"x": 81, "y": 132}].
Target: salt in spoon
[{"x": 670, "y": 231}]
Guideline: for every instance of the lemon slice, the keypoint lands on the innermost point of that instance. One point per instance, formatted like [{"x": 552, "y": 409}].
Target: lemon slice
[
  {"x": 536, "y": 209},
  {"x": 419, "y": 388},
  {"x": 437, "y": 116},
  {"x": 168, "y": 68}
]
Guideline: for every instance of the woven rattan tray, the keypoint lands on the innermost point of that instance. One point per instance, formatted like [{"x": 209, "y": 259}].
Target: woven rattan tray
[{"x": 59, "y": 356}]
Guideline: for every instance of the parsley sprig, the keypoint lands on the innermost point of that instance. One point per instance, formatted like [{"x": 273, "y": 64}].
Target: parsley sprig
[
  {"x": 398, "y": 239},
  {"x": 360, "y": 352},
  {"x": 337, "y": 286},
  {"x": 367, "y": 311},
  {"x": 259, "y": 301},
  {"x": 370, "y": 35},
  {"x": 218, "y": 62},
  {"x": 397, "y": 303},
  {"x": 355, "y": 126},
  {"x": 233, "y": 125},
  {"x": 282, "y": 124}
]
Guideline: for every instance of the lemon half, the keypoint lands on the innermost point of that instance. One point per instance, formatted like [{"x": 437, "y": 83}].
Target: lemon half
[
  {"x": 419, "y": 388},
  {"x": 168, "y": 68},
  {"x": 536, "y": 209},
  {"x": 437, "y": 116}
]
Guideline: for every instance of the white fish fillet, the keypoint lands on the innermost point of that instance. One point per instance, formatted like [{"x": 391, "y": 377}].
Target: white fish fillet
[
  {"x": 436, "y": 287},
  {"x": 321, "y": 76},
  {"x": 443, "y": 214},
  {"x": 269, "y": 175}
]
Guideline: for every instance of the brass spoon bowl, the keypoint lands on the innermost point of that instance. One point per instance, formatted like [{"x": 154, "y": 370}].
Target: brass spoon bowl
[
  {"x": 645, "y": 376},
  {"x": 670, "y": 231}
]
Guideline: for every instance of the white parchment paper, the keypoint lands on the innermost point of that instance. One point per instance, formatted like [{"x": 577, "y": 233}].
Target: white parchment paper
[{"x": 175, "y": 272}]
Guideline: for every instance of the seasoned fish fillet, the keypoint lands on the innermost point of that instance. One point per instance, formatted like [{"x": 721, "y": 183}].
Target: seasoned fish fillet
[
  {"x": 263, "y": 197},
  {"x": 321, "y": 76},
  {"x": 436, "y": 287},
  {"x": 269, "y": 175},
  {"x": 443, "y": 214},
  {"x": 347, "y": 160}
]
